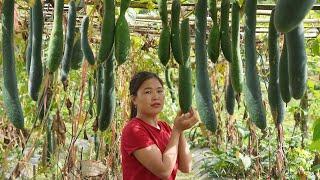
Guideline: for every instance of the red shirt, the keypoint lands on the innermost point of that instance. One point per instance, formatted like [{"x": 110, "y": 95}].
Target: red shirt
[{"x": 138, "y": 134}]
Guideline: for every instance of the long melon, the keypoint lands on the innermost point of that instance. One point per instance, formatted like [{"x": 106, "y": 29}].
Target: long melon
[
  {"x": 164, "y": 45},
  {"x": 185, "y": 41},
  {"x": 297, "y": 58},
  {"x": 107, "y": 31},
  {"x": 55, "y": 51},
  {"x": 10, "y": 89},
  {"x": 163, "y": 12},
  {"x": 284, "y": 74},
  {"x": 77, "y": 54},
  {"x": 165, "y": 35},
  {"x": 203, "y": 87},
  {"x": 185, "y": 88},
  {"x": 214, "y": 44},
  {"x": 224, "y": 30},
  {"x": 122, "y": 40},
  {"x": 236, "y": 64},
  {"x": 108, "y": 101},
  {"x": 85, "y": 46},
  {"x": 35, "y": 72},
  {"x": 68, "y": 48},
  {"x": 290, "y": 13},
  {"x": 214, "y": 35},
  {"x": 275, "y": 101},
  {"x": 213, "y": 12},
  {"x": 252, "y": 87},
  {"x": 124, "y": 5},
  {"x": 230, "y": 96},
  {"x": 175, "y": 31},
  {"x": 185, "y": 73}
]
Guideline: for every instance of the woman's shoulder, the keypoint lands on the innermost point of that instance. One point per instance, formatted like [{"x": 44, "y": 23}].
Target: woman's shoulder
[{"x": 132, "y": 124}]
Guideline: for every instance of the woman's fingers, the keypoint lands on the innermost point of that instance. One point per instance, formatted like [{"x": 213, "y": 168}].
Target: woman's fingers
[
  {"x": 191, "y": 121},
  {"x": 194, "y": 120},
  {"x": 189, "y": 115},
  {"x": 195, "y": 113},
  {"x": 179, "y": 114},
  {"x": 191, "y": 111},
  {"x": 187, "y": 120}
]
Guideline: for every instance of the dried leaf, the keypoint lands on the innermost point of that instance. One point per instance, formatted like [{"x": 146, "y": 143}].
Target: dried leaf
[
  {"x": 301, "y": 174},
  {"x": 81, "y": 118},
  {"x": 59, "y": 128},
  {"x": 279, "y": 162},
  {"x": 68, "y": 103}
]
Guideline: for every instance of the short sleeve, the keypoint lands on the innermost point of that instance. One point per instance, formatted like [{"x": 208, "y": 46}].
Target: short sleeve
[
  {"x": 135, "y": 137},
  {"x": 166, "y": 126}
]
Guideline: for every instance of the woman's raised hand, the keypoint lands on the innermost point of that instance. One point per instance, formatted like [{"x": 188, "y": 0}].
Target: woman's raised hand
[{"x": 186, "y": 121}]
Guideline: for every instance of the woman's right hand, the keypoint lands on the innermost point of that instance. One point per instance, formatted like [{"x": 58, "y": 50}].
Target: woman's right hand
[{"x": 186, "y": 121}]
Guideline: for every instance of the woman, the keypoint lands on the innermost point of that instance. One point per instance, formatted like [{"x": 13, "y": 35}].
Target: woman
[{"x": 150, "y": 148}]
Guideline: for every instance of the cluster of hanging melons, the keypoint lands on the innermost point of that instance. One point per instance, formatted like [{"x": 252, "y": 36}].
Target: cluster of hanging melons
[
  {"x": 287, "y": 71},
  {"x": 64, "y": 51}
]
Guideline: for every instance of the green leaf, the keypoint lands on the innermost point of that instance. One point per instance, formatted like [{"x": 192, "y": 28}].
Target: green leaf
[
  {"x": 315, "y": 145},
  {"x": 316, "y": 130},
  {"x": 315, "y": 168},
  {"x": 315, "y": 47}
]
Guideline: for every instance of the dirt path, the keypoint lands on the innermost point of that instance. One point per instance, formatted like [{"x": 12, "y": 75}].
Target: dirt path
[{"x": 198, "y": 158}]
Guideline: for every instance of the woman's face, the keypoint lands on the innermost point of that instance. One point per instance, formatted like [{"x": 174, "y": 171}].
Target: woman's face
[{"x": 150, "y": 97}]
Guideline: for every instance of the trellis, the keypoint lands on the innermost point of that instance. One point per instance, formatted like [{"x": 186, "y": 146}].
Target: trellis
[{"x": 150, "y": 22}]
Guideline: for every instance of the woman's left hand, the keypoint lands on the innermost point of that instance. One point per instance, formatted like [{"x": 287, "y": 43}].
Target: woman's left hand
[{"x": 187, "y": 120}]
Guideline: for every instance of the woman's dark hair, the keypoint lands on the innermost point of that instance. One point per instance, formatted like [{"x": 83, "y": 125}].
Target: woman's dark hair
[{"x": 135, "y": 84}]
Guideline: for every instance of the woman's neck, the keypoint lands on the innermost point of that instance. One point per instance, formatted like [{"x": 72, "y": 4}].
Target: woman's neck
[{"x": 152, "y": 120}]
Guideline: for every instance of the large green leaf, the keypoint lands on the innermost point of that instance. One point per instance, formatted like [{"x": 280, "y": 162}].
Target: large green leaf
[
  {"x": 316, "y": 131},
  {"x": 316, "y": 168},
  {"x": 315, "y": 145},
  {"x": 315, "y": 46}
]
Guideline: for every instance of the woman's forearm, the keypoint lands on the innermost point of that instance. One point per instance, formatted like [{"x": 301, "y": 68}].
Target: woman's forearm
[
  {"x": 170, "y": 155},
  {"x": 184, "y": 155}
]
